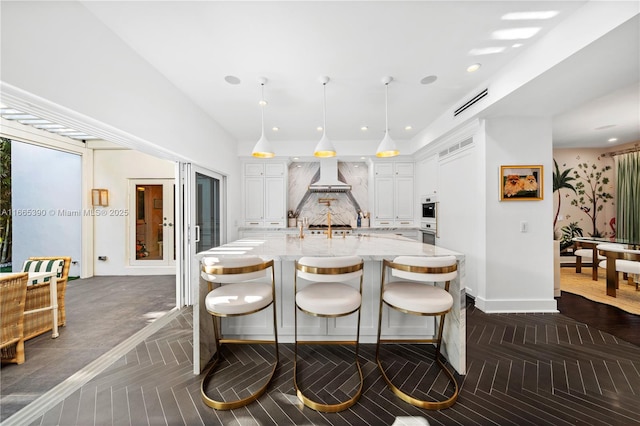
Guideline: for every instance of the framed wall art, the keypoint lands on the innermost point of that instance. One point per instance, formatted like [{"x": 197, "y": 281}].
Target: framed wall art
[{"x": 521, "y": 183}]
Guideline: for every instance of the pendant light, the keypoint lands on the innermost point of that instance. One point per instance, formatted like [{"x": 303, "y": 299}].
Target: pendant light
[
  {"x": 387, "y": 147},
  {"x": 325, "y": 147},
  {"x": 263, "y": 147}
]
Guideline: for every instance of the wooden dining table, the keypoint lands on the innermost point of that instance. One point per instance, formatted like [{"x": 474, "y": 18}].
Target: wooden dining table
[{"x": 53, "y": 292}]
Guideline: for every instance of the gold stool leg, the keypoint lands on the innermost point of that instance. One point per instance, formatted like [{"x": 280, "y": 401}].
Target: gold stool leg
[
  {"x": 230, "y": 405},
  {"x": 429, "y": 405},
  {"x": 318, "y": 406}
]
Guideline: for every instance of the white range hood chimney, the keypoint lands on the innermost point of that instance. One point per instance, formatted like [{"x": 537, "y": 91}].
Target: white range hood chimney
[{"x": 328, "y": 181}]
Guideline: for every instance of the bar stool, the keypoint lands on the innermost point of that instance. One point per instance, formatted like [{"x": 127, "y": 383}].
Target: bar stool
[
  {"x": 328, "y": 296},
  {"x": 243, "y": 291},
  {"x": 413, "y": 294}
]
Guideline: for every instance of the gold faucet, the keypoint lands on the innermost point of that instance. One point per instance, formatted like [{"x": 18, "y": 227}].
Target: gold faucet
[{"x": 329, "y": 225}]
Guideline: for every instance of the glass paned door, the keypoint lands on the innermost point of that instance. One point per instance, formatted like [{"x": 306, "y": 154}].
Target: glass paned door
[
  {"x": 207, "y": 212},
  {"x": 203, "y": 223},
  {"x": 152, "y": 222}
]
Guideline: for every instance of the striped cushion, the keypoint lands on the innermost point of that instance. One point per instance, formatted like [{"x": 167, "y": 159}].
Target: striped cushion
[{"x": 42, "y": 266}]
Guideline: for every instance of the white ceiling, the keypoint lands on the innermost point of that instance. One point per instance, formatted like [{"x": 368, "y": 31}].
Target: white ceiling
[{"x": 196, "y": 44}]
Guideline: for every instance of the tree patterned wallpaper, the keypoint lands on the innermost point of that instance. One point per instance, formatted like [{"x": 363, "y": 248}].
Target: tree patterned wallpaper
[{"x": 585, "y": 200}]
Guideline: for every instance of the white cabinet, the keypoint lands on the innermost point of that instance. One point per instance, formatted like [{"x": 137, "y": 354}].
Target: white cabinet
[
  {"x": 427, "y": 176},
  {"x": 393, "y": 197},
  {"x": 265, "y": 194}
]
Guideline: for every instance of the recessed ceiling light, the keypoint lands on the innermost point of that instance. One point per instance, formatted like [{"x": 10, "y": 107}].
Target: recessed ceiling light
[
  {"x": 299, "y": 165},
  {"x": 515, "y": 33},
  {"x": 429, "y": 79},
  {"x": 408, "y": 127},
  {"x": 319, "y": 128},
  {"x": 231, "y": 79},
  {"x": 612, "y": 140},
  {"x": 474, "y": 67},
  {"x": 522, "y": 16},
  {"x": 296, "y": 158},
  {"x": 363, "y": 158},
  {"x": 275, "y": 129},
  {"x": 364, "y": 128},
  {"x": 262, "y": 102},
  {"x": 486, "y": 50},
  {"x": 356, "y": 166}
]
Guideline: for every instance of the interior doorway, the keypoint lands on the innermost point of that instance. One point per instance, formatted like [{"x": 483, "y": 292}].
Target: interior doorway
[{"x": 152, "y": 233}]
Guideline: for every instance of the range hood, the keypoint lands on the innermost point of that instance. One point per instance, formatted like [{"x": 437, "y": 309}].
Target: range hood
[{"x": 328, "y": 181}]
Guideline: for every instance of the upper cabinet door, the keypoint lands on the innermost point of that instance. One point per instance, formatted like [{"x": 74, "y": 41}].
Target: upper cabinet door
[
  {"x": 384, "y": 204},
  {"x": 253, "y": 169},
  {"x": 383, "y": 169},
  {"x": 254, "y": 198},
  {"x": 265, "y": 194},
  {"x": 404, "y": 169},
  {"x": 274, "y": 169},
  {"x": 275, "y": 202},
  {"x": 405, "y": 200}
]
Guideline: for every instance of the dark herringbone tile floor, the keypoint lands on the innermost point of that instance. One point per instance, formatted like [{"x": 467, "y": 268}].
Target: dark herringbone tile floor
[{"x": 523, "y": 369}]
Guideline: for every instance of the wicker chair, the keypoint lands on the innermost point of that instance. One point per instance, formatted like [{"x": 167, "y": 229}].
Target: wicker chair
[
  {"x": 13, "y": 291},
  {"x": 39, "y": 296}
]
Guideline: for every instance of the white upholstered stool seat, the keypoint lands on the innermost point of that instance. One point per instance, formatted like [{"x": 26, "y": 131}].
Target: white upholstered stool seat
[
  {"x": 242, "y": 290},
  {"x": 417, "y": 297},
  {"x": 238, "y": 298},
  {"x": 414, "y": 291},
  {"x": 328, "y": 299},
  {"x": 330, "y": 293}
]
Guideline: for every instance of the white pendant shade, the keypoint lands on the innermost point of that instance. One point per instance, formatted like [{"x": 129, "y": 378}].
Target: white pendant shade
[
  {"x": 324, "y": 148},
  {"x": 263, "y": 148},
  {"x": 387, "y": 147}
]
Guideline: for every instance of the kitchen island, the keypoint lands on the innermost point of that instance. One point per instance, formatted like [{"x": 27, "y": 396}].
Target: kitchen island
[{"x": 373, "y": 248}]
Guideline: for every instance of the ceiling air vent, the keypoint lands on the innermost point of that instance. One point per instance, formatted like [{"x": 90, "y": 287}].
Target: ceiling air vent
[
  {"x": 466, "y": 142},
  {"x": 471, "y": 101}
]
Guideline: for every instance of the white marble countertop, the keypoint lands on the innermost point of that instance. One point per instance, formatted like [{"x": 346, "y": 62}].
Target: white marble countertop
[
  {"x": 359, "y": 230},
  {"x": 288, "y": 247}
]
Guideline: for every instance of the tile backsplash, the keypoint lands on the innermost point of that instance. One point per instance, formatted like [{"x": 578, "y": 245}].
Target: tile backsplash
[{"x": 343, "y": 206}]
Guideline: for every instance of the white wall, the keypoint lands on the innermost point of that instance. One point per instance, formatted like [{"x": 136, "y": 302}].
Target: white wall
[
  {"x": 113, "y": 170},
  {"x": 47, "y": 201},
  {"x": 506, "y": 270},
  {"x": 519, "y": 266},
  {"x": 460, "y": 192},
  {"x": 96, "y": 82}
]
